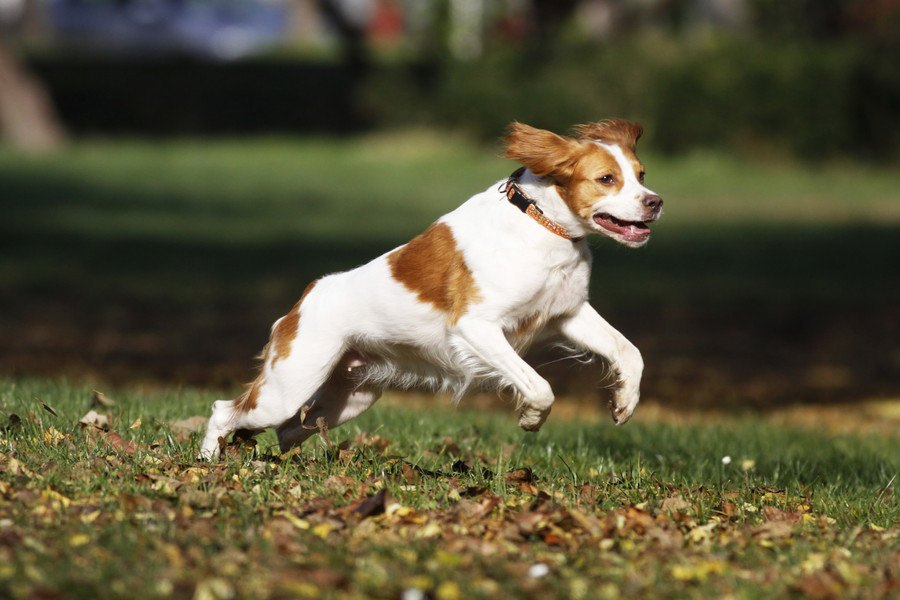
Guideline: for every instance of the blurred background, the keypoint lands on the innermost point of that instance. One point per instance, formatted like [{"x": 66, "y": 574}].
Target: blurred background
[{"x": 173, "y": 173}]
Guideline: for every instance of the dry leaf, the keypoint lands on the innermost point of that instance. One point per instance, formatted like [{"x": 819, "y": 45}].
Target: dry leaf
[
  {"x": 136, "y": 424},
  {"x": 95, "y": 419},
  {"x": 820, "y": 586},
  {"x": 674, "y": 504},
  {"x": 371, "y": 506},
  {"x": 116, "y": 441},
  {"x": 49, "y": 409},
  {"x": 524, "y": 475},
  {"x": 773, "y": 530}
]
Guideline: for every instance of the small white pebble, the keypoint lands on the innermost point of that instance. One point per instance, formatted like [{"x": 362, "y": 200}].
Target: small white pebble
[
  {"x": 413, "y": 594},
  {"x": 726, "y": 460},
  {"x": 538, "y": 570}
]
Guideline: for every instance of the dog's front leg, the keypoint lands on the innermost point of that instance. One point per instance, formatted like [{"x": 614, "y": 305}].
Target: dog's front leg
[
  {"x": 589, "y": 331},
  {"x": 487, "y": 342}
]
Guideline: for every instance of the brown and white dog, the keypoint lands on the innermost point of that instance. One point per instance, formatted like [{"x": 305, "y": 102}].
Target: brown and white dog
[{"x": 453, "y": 309}]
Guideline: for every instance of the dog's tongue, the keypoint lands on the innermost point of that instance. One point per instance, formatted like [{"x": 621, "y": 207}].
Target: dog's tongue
[{"x": 633, "y": 231}]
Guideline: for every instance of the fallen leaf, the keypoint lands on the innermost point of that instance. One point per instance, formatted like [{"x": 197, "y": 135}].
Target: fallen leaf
[
  {"x": 524, "y": 475},
  {"x": 773, "y": 530},
  {"x": 698, "y": 571},
  {"x": 370, "y": 506},
  {"x": 93, "y": 418},
  {"x": 820, "y": 586},
  {"x": 136, "y": 424},
  {"x": 49, "y": 409},
  {"x": 101, "y": 400},
  {"x": 52, "y": 436},
  {"x": 119, "y": 443},
  {"x": 772, "y": 513},
  {"x": 674, "y": 504},
  {"x": 213, "y": 589}
]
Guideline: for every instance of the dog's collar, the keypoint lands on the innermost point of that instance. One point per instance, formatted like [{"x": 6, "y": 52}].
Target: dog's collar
[{"x": 517, "y": 198}]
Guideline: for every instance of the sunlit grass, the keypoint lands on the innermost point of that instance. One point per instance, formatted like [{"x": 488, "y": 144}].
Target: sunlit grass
[{"x": 109, "y": 520}]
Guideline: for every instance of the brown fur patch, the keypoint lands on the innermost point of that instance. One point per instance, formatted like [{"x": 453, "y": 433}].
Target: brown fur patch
[
  {"x": 583, "y": 189},
  {"x": 282, "y": 337},
  {"x": 286, "y": 330},
  {"x": 619, "y": 132},
  {"x": 433, "y": 267},
  {"x": 611, "y": 131},
  {"x": 247, "y": 401},
  {"x": 543, "y": 152}
]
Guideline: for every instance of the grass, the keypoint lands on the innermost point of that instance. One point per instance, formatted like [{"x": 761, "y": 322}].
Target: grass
[
  {"x": 767, "y": 285},
  {"x": 166, "y": 217},
  {"x": 471, "y": 505}
]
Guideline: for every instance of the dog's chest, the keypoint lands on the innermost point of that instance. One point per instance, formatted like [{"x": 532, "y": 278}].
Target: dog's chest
[{"x": 553, "y": 286}]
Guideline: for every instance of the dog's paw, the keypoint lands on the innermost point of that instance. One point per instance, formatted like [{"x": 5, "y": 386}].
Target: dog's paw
[
  {"x": 623, "y": 405},
  {"x": 531, "y": 419}
]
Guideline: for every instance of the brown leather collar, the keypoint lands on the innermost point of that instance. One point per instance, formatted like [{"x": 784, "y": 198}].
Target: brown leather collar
[{"x": 517, "y": 198}]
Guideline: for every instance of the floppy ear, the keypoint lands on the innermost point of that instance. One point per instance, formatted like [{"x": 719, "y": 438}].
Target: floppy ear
[
  {"x": 544, "y": 152},
  {"x": 611, "y": 131}
]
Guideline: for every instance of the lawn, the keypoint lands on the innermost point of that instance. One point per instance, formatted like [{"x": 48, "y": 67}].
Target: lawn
[
  {"x": 766, "y": 308},
  {"x": 454, "y": 503},
  {"x": 768, "y": 281}
]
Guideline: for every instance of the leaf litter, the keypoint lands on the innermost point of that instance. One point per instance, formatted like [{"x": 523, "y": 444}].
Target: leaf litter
[{"x": 352, "y": 518}]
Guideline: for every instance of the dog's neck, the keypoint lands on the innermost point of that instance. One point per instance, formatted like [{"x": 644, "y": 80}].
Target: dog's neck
[{"x": 547, "y": 198}]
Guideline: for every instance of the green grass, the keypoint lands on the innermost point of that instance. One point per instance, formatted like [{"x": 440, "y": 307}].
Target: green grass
[
  {"x": 765, "y": 284},
  {"x": 143, "y": 218},
  {"x": 83, "y": 516}
]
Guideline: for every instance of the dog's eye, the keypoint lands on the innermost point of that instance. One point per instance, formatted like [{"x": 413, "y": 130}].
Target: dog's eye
[
  {"x": 641, "y": 176},
  {"x": 606, "y": 179}
]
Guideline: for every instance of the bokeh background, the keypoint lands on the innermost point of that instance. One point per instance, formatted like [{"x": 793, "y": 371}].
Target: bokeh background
[{"x": 173, "y": 173}]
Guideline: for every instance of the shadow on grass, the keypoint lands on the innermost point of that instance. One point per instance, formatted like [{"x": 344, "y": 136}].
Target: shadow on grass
[{"x": 724, "y": 314}]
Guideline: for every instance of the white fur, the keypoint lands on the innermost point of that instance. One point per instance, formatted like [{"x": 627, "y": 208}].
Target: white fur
[{"x": 362, "y": 330}]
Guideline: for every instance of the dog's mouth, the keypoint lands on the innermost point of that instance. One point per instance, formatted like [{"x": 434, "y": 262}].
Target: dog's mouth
[{"x": 629, "y": 231}]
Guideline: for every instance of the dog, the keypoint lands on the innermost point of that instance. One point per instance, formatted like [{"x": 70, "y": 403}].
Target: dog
[{"x": 453, "y": 309}]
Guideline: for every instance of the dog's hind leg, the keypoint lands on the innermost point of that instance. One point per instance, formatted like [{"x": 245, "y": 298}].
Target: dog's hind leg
[
  {"x": 340, "y": 399},
  {"x": 284, "y": 385}
]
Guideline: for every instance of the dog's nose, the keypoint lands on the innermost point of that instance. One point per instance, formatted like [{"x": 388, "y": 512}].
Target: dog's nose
[{"x": 653, "y": 202}]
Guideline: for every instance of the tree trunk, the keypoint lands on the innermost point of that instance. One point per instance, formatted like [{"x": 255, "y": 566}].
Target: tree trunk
[{"x": 28, "y": 119}]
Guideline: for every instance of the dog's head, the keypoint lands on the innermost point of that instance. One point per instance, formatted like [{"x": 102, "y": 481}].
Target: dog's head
[{"x": 597, "y": 174}]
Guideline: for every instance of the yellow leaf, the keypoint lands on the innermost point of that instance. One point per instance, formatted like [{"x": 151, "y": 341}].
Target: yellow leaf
[
  {"x": 79, "y": 539},
  {"x": 55, "y": 499},
  {"x": 90, "y": 517},
  {"x": 814, "y": 562},
  {"x": 136, "y": 424},
  {"x": 294, "y": 520},
  {"x": 323, "y": 529},
  {"x": 53, "y": 437},
  {"x": 698, "y": 571},
  {"x": 447, "y": 591},
  {"x": 430, "y": 530},
  {"x": 702, "y": 533},
  {"x": 213, "y": 589}
]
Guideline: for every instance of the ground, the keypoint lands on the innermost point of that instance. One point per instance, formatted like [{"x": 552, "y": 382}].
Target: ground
[
  {"x": 762, "y": 461},
  {"x": 454, "y": 503}
]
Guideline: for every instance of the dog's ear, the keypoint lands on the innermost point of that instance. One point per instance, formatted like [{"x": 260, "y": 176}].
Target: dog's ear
[
  {"x": 612, "y": 131},
  {"x": 543, "y": 152}
]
